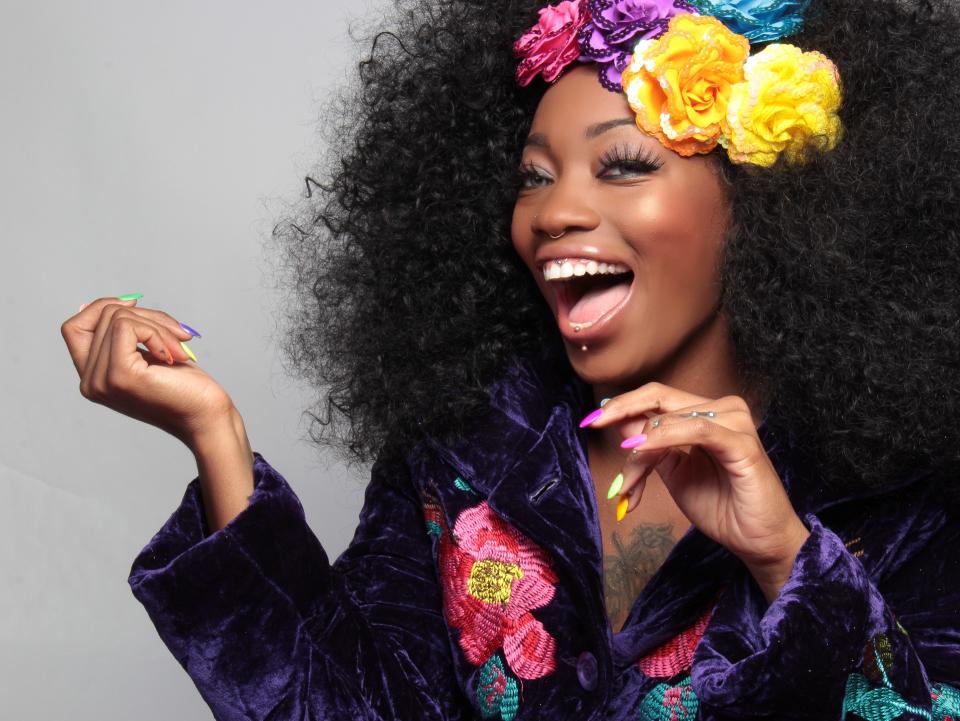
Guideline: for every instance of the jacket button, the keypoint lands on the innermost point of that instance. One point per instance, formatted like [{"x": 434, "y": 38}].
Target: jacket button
[{"x": 587, "y": 670}]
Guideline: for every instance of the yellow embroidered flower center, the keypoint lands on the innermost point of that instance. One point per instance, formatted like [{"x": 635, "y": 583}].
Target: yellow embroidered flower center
[{"x": 491, "y": 581}]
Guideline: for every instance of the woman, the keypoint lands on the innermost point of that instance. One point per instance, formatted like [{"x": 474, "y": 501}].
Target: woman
[{"x": 711, "y": 476}]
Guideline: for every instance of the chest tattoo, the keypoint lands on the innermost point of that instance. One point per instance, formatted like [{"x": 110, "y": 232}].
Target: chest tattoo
[{"x": 631, "y": 564}]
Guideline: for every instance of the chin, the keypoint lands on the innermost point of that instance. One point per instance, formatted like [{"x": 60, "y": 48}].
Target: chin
[{"x": 603, "y": 366}]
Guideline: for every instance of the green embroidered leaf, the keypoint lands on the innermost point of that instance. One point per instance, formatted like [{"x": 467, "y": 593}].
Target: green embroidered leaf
[
  {"x": 497, "y": 691},
  {"x": 670, "y": 702},
  {"x": 511, "y": 700}
]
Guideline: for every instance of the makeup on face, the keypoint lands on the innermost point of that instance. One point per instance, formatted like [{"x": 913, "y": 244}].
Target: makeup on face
[{"x": 622, "y": 235}]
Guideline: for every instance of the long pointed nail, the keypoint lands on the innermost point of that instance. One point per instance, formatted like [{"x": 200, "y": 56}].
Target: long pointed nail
[
  {"x": 591, "y": 418},
  {"x": 634, "y": 441},
  {"x": 130, "y": 296},
  {"x": 622, "y": 508},
  {"x": 604, "y": 402},
  {"x": 615, "y": 486},
  {"x": 186, "y": 349},
  {"x": 190, "y": 330}
]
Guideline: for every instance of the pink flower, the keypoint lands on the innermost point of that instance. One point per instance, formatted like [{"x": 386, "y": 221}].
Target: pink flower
[
  {"x": 550, "y": 45},
  {"x": 492, "y": 577}
]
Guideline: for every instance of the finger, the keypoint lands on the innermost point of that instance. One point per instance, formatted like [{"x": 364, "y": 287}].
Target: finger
[
  {"x": 158, "y": 338},
  {"x": 655, "y": 398},
  {"x": 78, "y": 330},
  {"x": 729, "y": 411},
  {"x": 115, "y": 347},
  {"x": 635, "y": 470},
  {"x": 735, "y": 450},
  {"x": 165, "y": 325},
  {"x": 119, "y": 360}
]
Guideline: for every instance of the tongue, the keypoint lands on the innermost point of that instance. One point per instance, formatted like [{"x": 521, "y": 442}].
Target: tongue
[{"x": 597, "y": 301}]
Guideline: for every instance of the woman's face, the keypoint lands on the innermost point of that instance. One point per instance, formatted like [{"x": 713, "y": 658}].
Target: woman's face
[{"x": 624, "y": 204}]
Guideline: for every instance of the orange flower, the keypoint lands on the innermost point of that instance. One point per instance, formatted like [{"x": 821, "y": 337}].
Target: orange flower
[{"x": 679, "y": 85}]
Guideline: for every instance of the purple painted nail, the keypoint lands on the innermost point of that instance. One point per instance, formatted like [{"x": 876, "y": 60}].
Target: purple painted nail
[
  {"x": 591, "y": 418},
  {"x": 190, "y": 330},
  {"x": 634, "y": 441}
]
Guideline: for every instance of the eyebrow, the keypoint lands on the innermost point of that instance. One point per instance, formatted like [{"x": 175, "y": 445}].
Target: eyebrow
[{"x": 539, "y": 140}]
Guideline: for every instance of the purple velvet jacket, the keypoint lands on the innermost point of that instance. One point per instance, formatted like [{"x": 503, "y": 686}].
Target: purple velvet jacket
[{"x": 473, "y": 589}]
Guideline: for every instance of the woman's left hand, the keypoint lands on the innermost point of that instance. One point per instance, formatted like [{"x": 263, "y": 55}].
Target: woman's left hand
[{"x": 711, "y": 460}]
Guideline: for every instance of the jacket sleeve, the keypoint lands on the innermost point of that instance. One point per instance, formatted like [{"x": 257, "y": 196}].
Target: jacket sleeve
[
  {"x": 849, "y": 637},
  {"x": 267, "y": 628}
]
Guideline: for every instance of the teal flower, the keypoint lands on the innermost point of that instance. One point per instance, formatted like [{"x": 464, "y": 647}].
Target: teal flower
[{"x": 761, "y": 21}]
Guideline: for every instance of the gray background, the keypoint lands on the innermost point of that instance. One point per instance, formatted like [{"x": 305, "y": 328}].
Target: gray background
[{"x": 145, "y": 147}]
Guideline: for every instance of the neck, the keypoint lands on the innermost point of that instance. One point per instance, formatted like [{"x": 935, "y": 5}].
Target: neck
[{"x": 704, "y": 366}]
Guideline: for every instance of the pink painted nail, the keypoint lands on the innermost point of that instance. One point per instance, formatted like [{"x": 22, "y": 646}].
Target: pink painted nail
[
  {"x": 591, "y": 418},
  {"x": 634, "y": 441}
]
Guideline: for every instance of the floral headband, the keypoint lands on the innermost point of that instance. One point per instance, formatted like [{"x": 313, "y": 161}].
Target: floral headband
[{"x": 687, "y": 71}]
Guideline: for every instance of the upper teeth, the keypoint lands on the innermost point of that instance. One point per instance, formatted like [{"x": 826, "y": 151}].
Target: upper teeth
[{"x": 560, "y": 269}]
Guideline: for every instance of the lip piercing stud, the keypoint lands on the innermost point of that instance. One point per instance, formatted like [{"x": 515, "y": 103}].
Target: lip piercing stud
[
  {"x": 583, "y": 348},
  {"x": 577, "y": 327}
]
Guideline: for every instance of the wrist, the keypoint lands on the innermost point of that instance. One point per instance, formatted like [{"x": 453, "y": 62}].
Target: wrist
[
  {"x": 213, "y": 433},
  {"x": 225, "y": 466},
  {"x": 771, "y": 572}
]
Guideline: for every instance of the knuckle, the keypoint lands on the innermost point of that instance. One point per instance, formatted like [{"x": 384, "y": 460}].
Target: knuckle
[
  {"x": 736, "y": 402},
  {"x": 115, "y": 381}
]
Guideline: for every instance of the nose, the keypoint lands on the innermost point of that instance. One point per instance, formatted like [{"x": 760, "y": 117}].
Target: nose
[{"x": 564, "y": 207}]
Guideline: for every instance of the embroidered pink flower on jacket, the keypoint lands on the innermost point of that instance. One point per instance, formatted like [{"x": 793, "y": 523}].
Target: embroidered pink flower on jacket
[
  {"x": 550, "y": 45},
  {"x": 492, "y": 577},
  {"x": 676, "y": 655}
]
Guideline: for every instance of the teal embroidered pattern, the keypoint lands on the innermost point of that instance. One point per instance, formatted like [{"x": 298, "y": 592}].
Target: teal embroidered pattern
[
  {"x": 497, "y": 691},
  {"x": 946, "y": 702},
  {"x": 463, "y": 485},
  {"x": 670, "y": 702},
  {"x": 874, "y": 703}
]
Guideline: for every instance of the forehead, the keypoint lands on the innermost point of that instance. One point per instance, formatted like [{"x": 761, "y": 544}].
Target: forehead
[{"x": 576, "y": 101}]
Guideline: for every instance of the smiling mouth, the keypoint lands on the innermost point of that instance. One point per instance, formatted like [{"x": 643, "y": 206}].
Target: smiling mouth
[{"x": 587, "y": 293}]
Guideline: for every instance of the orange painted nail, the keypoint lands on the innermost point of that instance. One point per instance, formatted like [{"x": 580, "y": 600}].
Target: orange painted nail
[{"x": 622, "y": 508}]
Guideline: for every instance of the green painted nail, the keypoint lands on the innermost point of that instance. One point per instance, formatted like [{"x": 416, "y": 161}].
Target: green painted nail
[
  {"x": 615, "y": 486},
  {"x": 130, "y": 296}
]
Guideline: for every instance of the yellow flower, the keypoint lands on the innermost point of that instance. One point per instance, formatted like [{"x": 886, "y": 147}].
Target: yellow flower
[
  {"x": 787, "y": 104},
  {"x": 680, "y": 84}
]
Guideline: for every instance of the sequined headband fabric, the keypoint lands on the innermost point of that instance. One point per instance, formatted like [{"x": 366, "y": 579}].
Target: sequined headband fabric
[{"x": 687, "y": 72}]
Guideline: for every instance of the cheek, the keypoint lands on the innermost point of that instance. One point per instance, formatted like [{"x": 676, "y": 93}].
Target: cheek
[{"x": 679, "y": 241}]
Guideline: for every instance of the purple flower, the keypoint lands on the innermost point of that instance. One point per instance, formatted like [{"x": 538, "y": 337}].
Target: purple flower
[{"x": 616, "y": 26}]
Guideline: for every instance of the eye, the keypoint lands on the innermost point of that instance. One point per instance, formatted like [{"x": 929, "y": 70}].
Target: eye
[
  {"x": 624, "y": 161},
  {"x": 529, "y": 176}
]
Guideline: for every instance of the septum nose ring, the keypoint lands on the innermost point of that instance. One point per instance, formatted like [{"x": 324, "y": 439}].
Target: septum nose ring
[{"x": 560, "y": 235}]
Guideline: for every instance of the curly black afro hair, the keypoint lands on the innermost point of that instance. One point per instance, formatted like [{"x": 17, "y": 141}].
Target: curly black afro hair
[{"x": 840, "y": 277}]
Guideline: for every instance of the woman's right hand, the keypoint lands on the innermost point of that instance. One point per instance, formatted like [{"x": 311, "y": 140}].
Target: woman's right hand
[{"x": 156, "y": 386}]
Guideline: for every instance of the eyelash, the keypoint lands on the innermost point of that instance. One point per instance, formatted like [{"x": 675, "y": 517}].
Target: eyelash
[
  {"x": 639, "y": 160},
  {"x": 635, "y": 160}
]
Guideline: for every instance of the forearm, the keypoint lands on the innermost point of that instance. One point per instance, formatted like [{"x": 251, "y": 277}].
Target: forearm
[{"x": 225, "y": 466}]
